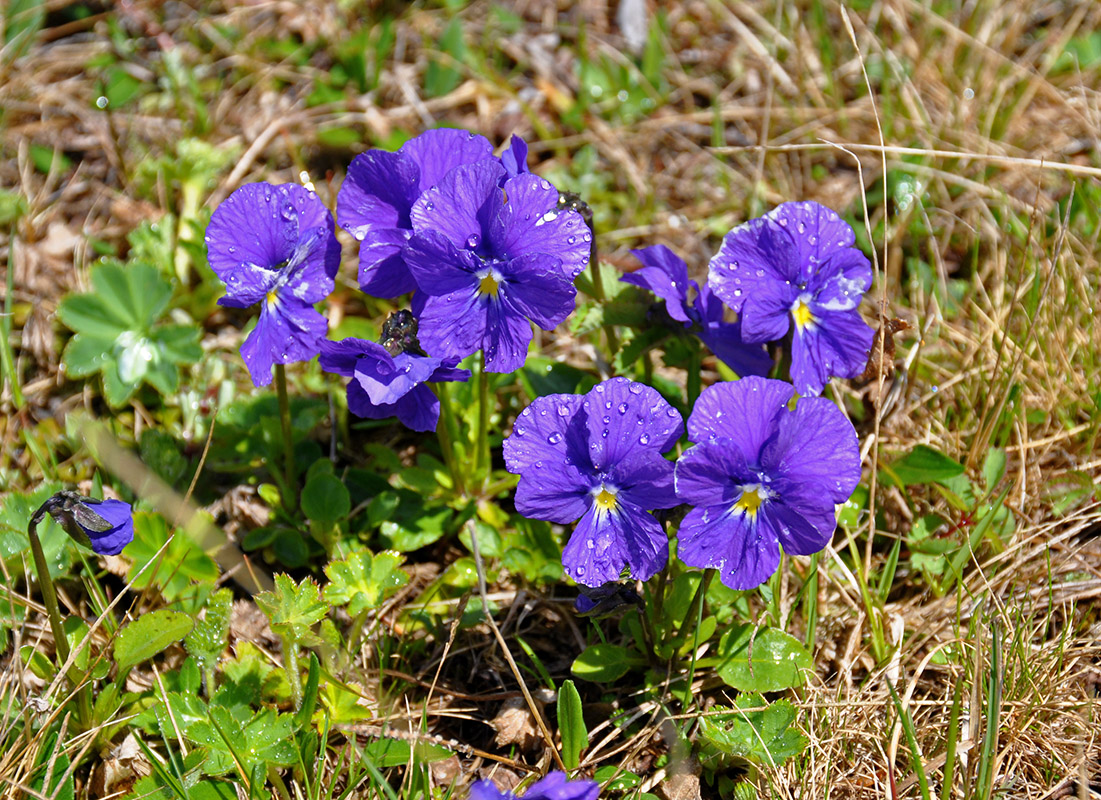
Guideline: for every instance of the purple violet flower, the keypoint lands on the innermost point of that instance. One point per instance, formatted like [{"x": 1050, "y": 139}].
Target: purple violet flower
[
  {"x": 385, "y": 385},
  {"x": 515, "y": 157},
  {"x": 555, "y": 786},
  {"x": 598, "y": 458},
  {"x": 374, "y": 202},
  {"x": 666, "y": 275},
  {"x": 760, "y": 475},
  {"x": 275, "y": 245},
  {"x": 797, "y": 265},
  {"x": 490, "y": 260},
  {"x": 105, "y": 526}
]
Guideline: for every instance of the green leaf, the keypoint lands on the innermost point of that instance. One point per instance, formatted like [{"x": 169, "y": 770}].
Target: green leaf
[
  {"x": 440, "y": 77},
  {"x": 571, "y": 725},
  {"x": 386, "y": 753},
  {"x": 293, "y": 609},
  {"x": 325, "y": 500},
  {"x": 993, "y": 468},
  {"x": 267, "y": 738},
  {"x": 766, "y": 661},
  {"x": 117, "y": 334},
  {"x": 754, "y": 730},
  {"x": 161, "y": 453},
  {"x": 13, "y": 205},
  {"x": 178, "y": 569},
  {"x": 605, "y": 663},
  {"x": 362, "y": 580},
  {"x": 148, "y": 635},
  {"x": 119, "y": 86},
  {"x": 14, "y": 516},
  {"x": 207, "y": 640},
  {"x": 309, "y": 694},
  {"x": 923, "y": 464},
  {"x": 620, "y": 780},
  {"x": 414, "y": 527}
]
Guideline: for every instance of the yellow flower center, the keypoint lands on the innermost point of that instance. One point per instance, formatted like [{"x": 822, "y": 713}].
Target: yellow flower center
[
  {"x": 271, "y": 298},
  {"x": 803, "y": 317},
  {"x": 488, "y": 285},
  {"x": 749, "y": 502},
  {"x": 605, "y": 500}
]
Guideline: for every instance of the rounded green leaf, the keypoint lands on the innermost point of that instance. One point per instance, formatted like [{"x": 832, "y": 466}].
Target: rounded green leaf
[
  {"x": 325, "y": 500},
  {"x": 766, "y": 661},
  {"x": 604, "y": 663},
  {"x": 148, "y": 635}
]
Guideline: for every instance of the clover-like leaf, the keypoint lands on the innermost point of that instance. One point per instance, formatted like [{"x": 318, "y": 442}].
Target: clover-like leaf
[
  {"x": 363, "y": 581},
  {"x": 117, "y": 332},
  {"x": 293, "y": 609},
  {"x": 754, "y": 730},
  {"x": 267, "y": 738}
]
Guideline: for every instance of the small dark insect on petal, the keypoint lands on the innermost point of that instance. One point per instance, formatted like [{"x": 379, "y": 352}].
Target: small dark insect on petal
[
  {"x": 86, "y": 517},
  {"x": 399, "y": 334},
  {"x": 69, "y": 510},
  {"x": 573, "y": 201},
  {"x": 604, "y": 600}
]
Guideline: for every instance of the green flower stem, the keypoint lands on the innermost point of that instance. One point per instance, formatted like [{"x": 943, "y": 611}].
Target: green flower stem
[
  {"x": 290, "y": 498},
  {"x": 695, "y": 367},
  {"x": 61, "y": 641},
  {"x": 481, "y": 433},
  {"x": 49, "y": 597},
  {"x": 598, "y": 295},
  {"x": 698, "y": 602},
  {"x": 446, "y": 433},
  {"x": 290, "y": 666}
]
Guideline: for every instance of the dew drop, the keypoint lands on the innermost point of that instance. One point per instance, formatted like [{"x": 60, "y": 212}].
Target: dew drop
[
  {"x": 644, "y": 439},
  {"x": 622, "y": 408},
  {"x": 554, "y": 438},
  {"x": 635, "y": 388},
  {"x": 563, "y": 411}
]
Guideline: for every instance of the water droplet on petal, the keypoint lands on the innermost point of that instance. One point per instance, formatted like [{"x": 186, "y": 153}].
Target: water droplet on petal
[{"x": 554, "y": 438}]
